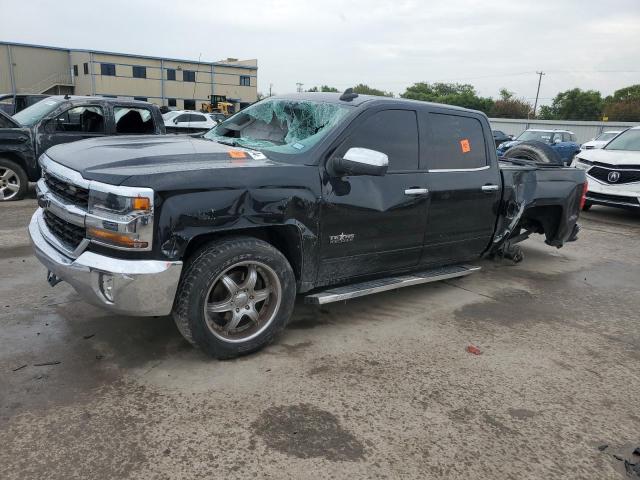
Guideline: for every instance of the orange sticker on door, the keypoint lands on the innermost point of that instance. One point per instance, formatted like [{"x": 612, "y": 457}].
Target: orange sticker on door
[{"x": 465, "y": 145}]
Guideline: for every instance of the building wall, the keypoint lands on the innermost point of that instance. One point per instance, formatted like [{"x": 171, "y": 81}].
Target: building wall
[
  {"x": 584, "y": 131},
  {"x": 34, "y": 68},
  {"x": 217, "y": 78}
]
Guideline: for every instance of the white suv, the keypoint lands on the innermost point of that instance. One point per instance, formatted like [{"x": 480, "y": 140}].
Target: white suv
[{"x": 613, "y": 172}]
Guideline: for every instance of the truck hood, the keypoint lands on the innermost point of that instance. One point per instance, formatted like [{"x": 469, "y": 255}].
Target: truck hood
[
  {"x": 612, "y": 157},
  {"x": 116, "y": 160}
]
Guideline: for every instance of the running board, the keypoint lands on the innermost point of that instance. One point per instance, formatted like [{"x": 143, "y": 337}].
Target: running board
[{"x": 390, "y": 283}]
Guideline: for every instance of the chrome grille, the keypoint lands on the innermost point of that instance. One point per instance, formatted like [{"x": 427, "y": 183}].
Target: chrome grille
[
  {"x": 626, "y": 175},
  {"x": 69, "y": 234},
  {"x": 71, "y": 193}
]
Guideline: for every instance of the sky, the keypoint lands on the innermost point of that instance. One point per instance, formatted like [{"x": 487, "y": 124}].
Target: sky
[{"x": 386, "y": 44}]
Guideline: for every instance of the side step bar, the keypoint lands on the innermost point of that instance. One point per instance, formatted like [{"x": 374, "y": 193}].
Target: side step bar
[{"x": 390, "y": 283}]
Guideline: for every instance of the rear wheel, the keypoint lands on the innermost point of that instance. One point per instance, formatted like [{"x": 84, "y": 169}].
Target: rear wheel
[
  {"x": 234, "y": 297},
  {"x": 13, "y": 181}
]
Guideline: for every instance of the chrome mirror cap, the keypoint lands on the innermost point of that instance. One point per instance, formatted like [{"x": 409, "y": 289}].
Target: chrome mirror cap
[{"x": 362, "y": 161}]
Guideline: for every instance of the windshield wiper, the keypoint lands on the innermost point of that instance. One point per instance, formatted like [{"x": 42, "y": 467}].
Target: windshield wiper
[{"x": 231, "y": 143}]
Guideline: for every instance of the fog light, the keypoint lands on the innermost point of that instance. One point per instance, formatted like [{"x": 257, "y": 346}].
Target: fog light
[{"x": 106, "y": 286}]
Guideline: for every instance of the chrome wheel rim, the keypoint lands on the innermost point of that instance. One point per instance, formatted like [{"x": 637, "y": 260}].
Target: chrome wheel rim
[
  {"x": 242, "y": 301},
  {"x": 9, "y": 183}
]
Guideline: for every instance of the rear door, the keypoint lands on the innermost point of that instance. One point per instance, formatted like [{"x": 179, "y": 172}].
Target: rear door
[
  {"x": 464, "y": 186},
  {"x": 374, "y": 224}
]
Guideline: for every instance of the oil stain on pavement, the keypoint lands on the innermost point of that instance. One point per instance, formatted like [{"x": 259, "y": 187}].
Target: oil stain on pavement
[{"x": 305, "y": 431}]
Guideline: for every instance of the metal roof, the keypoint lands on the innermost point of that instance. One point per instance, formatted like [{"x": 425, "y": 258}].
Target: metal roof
[{"x": 131, "y": 55}]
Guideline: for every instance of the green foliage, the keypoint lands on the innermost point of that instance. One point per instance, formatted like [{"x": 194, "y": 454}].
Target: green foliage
[
  {"x": 575, "y": 104},
  {"x": 323, "y": 88},
  {"x": 623, "y": 105},
  {"x": 363, "y": 89},
  {"x": 462, "y": 95},
  {"x": 507, "y": 106}
]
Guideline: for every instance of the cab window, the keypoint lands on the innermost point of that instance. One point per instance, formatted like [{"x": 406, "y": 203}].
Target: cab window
[
  {"x": 457, "y": 143},
  {"x": 393, "y": 132},
  {"x": 85, "y": 119},
  {"x": 133, "y": 121}
]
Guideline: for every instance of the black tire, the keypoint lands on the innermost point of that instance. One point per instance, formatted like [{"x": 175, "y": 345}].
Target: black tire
[
  {"x": 16, "y": 177},
  {"x": 535, "y": 151},
  {"x": 586, "y": 206},
  {"x": 204, "y": 269}
]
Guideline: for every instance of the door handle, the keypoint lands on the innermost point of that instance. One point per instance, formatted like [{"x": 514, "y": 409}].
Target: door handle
[
  {"x": 490, "y": 188},
  {"x": 416, "y": 191}
]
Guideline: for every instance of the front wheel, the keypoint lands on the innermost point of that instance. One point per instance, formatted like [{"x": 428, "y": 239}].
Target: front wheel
[
  {"x": 13, "y": 181},
  {"x": 235, "y": 295}
]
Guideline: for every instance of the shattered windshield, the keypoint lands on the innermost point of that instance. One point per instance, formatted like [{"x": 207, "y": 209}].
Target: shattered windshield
[
  {"x": 280, "y": 125},
  {"x": 36, "y": 112}
]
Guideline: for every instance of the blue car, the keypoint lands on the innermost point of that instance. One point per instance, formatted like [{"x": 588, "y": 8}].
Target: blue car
[{"x": 562, "y": 141}]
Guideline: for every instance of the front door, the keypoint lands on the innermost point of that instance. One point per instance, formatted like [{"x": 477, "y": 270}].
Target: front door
[
  {"x": 76, "y": 123},
  {"x": 464, "y": 186},
  {"x": 375, "y": 224}
]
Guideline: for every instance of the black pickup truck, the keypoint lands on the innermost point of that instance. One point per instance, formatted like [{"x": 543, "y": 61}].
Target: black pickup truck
[
  {"x": 54, "y": 120},
  {"x": 331, "y": 196}
]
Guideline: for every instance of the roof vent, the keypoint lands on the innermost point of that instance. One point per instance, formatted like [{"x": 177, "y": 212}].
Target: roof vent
[{"x": 348, "y": 95}]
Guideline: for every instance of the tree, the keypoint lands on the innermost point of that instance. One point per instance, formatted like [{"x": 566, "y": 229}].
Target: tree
[
  {"x": 367, "y": 90},
  {"x": 574, "y": 104},
  {"x": 323, "y": 88},
  {"x": 623, "y": 105},
  {"x": 462, "y": 95},
  {"x": 507, "y": 106}
]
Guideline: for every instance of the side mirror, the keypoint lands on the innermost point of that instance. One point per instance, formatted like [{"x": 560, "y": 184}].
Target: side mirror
[
  {"x": 175, "y": 121},
  {"x": 557, "y": 140},
  {"x": 361, "y": 161}
]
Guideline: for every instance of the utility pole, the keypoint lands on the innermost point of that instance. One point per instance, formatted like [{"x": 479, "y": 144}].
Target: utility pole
[
  {"x": 270, "y": 87},
  {"x": 535, "y": 105},
  {"x": 299, "y": 87}
]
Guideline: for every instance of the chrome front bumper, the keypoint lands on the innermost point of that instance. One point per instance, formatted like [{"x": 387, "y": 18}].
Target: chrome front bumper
[{"x": 128, "y": 287}]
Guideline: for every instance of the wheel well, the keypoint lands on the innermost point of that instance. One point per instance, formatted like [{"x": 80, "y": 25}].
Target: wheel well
[
  {"x": 286, "y": 238},
  {"x": 17, "y": 159},
  {"x": 542, "y": 219}
]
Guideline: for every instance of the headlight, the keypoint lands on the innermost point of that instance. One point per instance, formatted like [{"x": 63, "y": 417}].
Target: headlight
[
  {"x": 120, "y": 217},
  {"x": 581, "y": 163}
]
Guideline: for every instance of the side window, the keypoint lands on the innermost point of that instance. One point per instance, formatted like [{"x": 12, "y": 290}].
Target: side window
[
  {"x": 197, "y": 118},
  {"x": 133, "y": 120},
  {"x": 183, "y": 118},
  {"x": 457, "y": 142},
  {"x": 86, "y": 119},
  {"x": 394, "y": 132}
]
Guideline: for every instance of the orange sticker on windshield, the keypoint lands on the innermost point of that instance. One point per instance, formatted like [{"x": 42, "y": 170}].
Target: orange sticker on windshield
[
  {"x": 465, "y": 146},
  {"x": 237, "y": 154}
]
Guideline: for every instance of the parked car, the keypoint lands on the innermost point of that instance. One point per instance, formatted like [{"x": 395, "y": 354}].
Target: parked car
[
  {"x": 613, "y": 172},
  {"x": 500, "y": 137},
  {"x": 562, "y": 141},
  {"x": 58, "y": 119},
  {"x": 600, "y": 141},
  {"x": 188, "y": 121},
  {"x": 314, "y": 194},
  {"x": 12, "y": 104}
]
